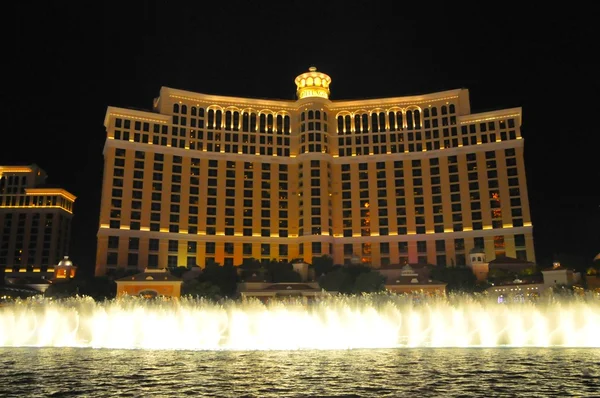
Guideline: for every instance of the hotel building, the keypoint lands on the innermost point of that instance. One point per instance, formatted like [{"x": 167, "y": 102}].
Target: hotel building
[
  {"x": 414, "y": 179},
  {"x": 35, "y": 220}
]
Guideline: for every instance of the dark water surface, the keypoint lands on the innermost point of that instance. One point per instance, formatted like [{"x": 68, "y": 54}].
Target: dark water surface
[{"x": 423, "y": 372}]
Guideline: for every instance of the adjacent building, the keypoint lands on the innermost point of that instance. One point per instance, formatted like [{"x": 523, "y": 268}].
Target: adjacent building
[
  {"x": 35, "y": 220},
  {"x": 152, "y": 283},
  {"x": 412, "y": 179}
]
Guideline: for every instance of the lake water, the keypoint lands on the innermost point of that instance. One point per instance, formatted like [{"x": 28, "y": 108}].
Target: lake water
[{"x": 418, "y": 372}]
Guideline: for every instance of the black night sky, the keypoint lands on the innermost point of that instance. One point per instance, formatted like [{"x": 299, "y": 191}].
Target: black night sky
[{"x": 65, "y": 63}]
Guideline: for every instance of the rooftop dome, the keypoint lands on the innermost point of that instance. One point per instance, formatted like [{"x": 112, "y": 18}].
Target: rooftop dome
[
  {"x": 65, "y": 262},
  {"x": 312, "y": 84}
]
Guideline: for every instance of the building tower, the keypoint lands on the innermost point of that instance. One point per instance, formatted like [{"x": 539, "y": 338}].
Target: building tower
[
  {"x": 65, "y": 270},
  {"x": 35, "y": 220},
  {"x": 314, "y": 159},
  {"x": 415, "y": 179},
  {"x": 478, "y": 264}
]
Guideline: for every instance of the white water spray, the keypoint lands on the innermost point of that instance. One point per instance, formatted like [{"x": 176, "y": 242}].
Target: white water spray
[{"x": 379, "y": 321}]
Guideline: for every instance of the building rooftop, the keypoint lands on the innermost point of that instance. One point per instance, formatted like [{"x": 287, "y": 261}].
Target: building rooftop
[
  {"x": 413, "y": 280},
  {"x": 158, "y": 275}
]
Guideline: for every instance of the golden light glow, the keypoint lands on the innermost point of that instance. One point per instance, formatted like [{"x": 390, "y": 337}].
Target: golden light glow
[
  {"x": 36, "y": 207},
  {"x": 466, "y": 120},
  {"x": 313, "y": 84},
  {"x": 15, "y": 169},
  {"x": 50, "y": 192},
  {"x": 138, "y": 118}
]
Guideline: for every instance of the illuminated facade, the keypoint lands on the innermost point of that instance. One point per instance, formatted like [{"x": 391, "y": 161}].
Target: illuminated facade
[
  {"x": 35, "y": 220},
  {"x": 415, "y": 179}
]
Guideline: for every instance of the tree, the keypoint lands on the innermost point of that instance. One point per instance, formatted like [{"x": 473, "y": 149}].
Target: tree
[
  {"x": 322, "y": 265},
  {"x": 500, "y": 275},
  {"x": 336, "y": 281},
  {"x": 282, "y": 272},
  {"x": 99, "y": 288},
  {"x": 369, "y": 282},
  {"x": 224, "y": 277},
  {"x": 196, "y": 288},
  {"x": 352, "y": 280},
  {"x": 62, "y": 289},
  {"x": 249, "y": 267},
  {"x": 178, "y": 271},
  {"x": 458, "y": 279},
  {"x": 529, "y": 271}
]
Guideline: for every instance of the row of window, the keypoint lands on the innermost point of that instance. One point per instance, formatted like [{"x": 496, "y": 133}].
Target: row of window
[{"x": 365, "y": 250}]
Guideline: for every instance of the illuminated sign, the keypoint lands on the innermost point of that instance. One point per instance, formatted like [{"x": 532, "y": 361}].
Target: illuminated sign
[{"x": 312, "y": 92}]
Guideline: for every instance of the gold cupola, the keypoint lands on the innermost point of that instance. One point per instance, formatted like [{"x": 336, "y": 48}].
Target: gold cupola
[{"x": 313, "y": 84}]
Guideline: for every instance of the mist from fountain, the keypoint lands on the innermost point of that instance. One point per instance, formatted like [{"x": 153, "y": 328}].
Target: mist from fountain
[{"x": 336, "y": 322}]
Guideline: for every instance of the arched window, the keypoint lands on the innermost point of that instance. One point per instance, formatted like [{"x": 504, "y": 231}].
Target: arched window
[
  {"x": 228, "y": 120},
  {"x": 374, "y": 124},
  {"x": 175, "y": 108},
  {"x": 269, "y": 123},
  {"x": 444, "y": 110},
  {"x": 426, "y": 112},
  {"x": 325, "y": 116},
  {"x": 302, "y": 116},
  {"x": 279, "y": 124},
  {"x": 200, "y": 112},
  {"x": 236, "y": 121},
  {"x": 365, "y": 123},
  {"x": 381, "y": 121},
  {"x": 184, "y": 109},
  {"x": 340, "y": 127},
  {"x": 245, "y": 122},
  {"x": 218, "y": 119},
  {"x": 193, "y": 111},
  {"x": 286, "y": 124},
  {"x": 392, "y": 120},
  {"x": 211, "y": 118},
  {"x": 399, "y": 121},
  {"x": 409, "y": 120},
  {"x": 263, "y": 123},
  {"x": 348, "y": 123},
  {"x": 317, "y": 114},
  {"x": 417, "y": 116},
  {"x": 311, "y": 115},
  {"x": 357, "y": 123},
  {"x": 452, "y": 108},
  {"x": 253, "y": 122},
  {"x": 434, "y": 111}
]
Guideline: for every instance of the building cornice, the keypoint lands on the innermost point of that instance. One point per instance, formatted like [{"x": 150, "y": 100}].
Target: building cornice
[
  {"x": 225, "y": 100},
  {"x": 491, "y": 115},
  {"x": 397, "y": 101},
  {"x": 241, "y": 102},
  {"x": 51, "y": 191},
  {"x": 135, "y": 114}
]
